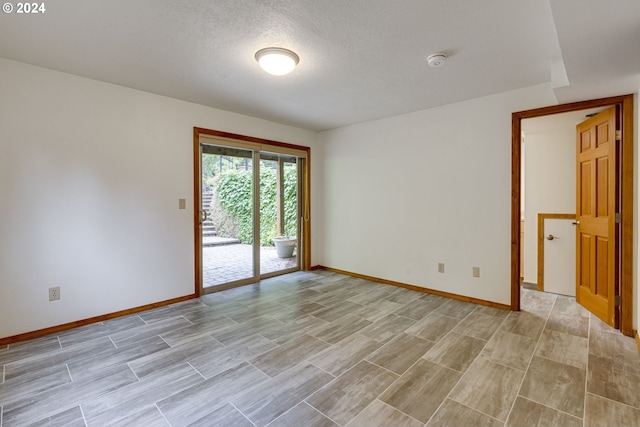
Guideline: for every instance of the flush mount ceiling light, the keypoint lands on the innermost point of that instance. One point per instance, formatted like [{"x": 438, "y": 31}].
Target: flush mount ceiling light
[
  {"x": 437, "y": 59},
  {"x": 276, "y": 60}
]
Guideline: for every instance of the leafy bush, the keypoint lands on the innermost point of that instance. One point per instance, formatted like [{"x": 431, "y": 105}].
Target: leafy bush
[
  {"x": 290, "y": 201},
  {"x": 226, "y": 223},
  {"x": 231, "y": 209}
]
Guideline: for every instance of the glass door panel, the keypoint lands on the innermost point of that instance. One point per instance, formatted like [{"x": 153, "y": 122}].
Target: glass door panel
[
  {"x": 279, "y": 213},
  {"x": 227, "y": 216},
  {"x": 249, "y": 224}
]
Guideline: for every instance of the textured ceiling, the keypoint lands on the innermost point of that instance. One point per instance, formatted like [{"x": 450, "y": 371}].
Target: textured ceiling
[{"x": 359, "y": 59}]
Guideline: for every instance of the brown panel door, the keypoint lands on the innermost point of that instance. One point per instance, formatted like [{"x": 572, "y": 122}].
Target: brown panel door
[{"x": 596, "y": 214}]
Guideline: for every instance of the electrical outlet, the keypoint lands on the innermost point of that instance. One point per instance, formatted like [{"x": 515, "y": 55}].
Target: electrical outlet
[
  {"x": 182, "y": 203},
  {"x": 441, "y": 267},
  {"x": 54, "y": 293},
  {"x": 476, "y": 271}
]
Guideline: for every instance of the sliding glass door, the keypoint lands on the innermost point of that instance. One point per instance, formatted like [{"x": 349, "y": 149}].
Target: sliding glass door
[
  {"x": 279, "y": 213},
  {"x": 227, "y": 215},
  {"x": 249, "y": 224}
]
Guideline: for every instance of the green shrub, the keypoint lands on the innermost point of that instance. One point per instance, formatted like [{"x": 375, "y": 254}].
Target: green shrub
[{"x": 232, "y": 204}]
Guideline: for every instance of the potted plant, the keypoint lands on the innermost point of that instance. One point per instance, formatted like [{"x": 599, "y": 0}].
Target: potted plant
[{"x": 285, "y": 245}]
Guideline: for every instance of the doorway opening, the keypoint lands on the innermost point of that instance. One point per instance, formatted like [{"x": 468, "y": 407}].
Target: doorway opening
[
  {"x": 251, "y": 220},
  {"x": 624, "y": 257},
  {"x": 548, "y": 201}
]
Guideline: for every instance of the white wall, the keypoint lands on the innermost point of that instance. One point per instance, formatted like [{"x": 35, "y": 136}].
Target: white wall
[
  {"x": 550, "y": 185},
  {"x": 404, "y": 193},
  {"x": 90, "y": 176}
]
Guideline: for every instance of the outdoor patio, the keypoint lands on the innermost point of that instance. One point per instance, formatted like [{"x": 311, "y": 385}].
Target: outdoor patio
[{"x": 228, "y": 263}]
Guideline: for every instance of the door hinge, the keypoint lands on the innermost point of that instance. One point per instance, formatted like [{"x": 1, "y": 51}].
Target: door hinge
[
  {"x": 617, "y": 301},
  {"x": 617, "y": 217},
  {"x": 618, "y": 135}
]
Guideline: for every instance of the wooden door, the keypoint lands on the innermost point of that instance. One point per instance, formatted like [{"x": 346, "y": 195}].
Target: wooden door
[{"x": 596, "y": 204}]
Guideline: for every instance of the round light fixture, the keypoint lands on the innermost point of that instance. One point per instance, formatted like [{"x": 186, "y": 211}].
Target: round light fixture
[
  {"x": 437, "y": 59},
  {"x": 276, "y": 60}
]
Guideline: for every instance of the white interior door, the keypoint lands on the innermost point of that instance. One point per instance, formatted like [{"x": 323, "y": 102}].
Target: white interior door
[{"x": 560, "y": 256}]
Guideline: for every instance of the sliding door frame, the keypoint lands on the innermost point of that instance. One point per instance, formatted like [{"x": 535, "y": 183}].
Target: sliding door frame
[{"x": 305, "y": 198}]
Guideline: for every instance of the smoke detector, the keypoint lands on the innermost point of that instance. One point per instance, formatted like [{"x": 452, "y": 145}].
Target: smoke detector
[{"x": 437, "y": 59}]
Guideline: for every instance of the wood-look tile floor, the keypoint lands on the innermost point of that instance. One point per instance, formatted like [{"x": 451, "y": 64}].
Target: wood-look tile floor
[{"x": 321, "y": 349}]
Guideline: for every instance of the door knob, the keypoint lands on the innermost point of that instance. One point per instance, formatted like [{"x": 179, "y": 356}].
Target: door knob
[
  {"x": 552, "y": 237},
  {"x": 576, "y": 223}
]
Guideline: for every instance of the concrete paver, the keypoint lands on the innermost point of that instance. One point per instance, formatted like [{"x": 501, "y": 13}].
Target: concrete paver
[{"x": 228, "y": 263}]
